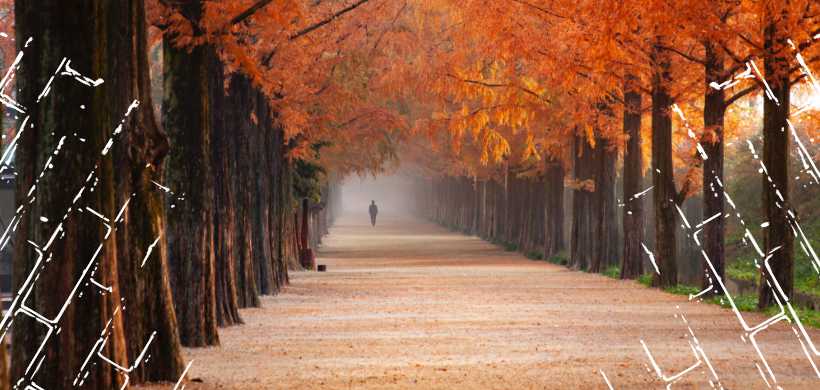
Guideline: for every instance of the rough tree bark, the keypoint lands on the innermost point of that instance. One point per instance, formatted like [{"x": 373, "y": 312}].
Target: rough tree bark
[
  {"x": 605, "y": 234},
  {"x": 226, "y": 248},
  {"x": 554, "y": 208},
  {"x": 632, "y": 261},
  {"x": 5, "y": 381},
  {"x": 476, "y": 212},
  {"x": 583, "y": 215},
  {"x": 286, "y": 204},
  {"x": 65, "y": 32},
  {"x": 143, "y": 261},
  {"x": 277, "y": 204},
  {"x": 306, "y": 257},
  {"x": 189, "y": 123},
  {"x": 593, "y": 244},
  {"x": 663, "y": 179},
  {"x": 714, "y": 110},
  {"x": 261, "y": 184},
  {"x": 776, "y": 159},
  {"x": 240, "y": 97}
]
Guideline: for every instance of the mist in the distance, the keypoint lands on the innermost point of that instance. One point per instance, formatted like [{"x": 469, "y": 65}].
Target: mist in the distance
[{"x": 393, "y": 195}]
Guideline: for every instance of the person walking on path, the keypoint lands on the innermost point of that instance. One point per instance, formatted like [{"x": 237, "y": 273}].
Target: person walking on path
[{"x": 374, "y": 210}]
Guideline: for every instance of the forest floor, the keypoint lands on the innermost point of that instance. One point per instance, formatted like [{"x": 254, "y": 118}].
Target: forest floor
[{"x": 408, "y": 304}]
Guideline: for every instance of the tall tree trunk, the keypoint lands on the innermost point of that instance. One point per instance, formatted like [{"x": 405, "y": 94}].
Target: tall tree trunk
[
  {"x": 476, "y": 210},
  {"x": 305, "y": 252},
  {"x": 141, "y": 245},
  {"x": 5, "y": 381},
  {"x": 663, "y": 175},
  {"x": 226, "y": 251},
  {"x": 277, "y": 212},
  {"x": 286, "y": 208},
  {"x": 538, "y": 233},
  {"x": 554, "y": 208},
  {"x": 714, "y": 110},
  {"x": 632, "y": 260},
  {"x": 189, "y": 123},
  {"x": 241, "y": 97},
  {"x": 504, "y": 221},
  {"x": 778, "y": 238},
  {"x": 261, "y": 154},
  {"x": 605, "y": 234},
  {"x": 583, "y": 208},
  {"x": 59, "y": 237}
]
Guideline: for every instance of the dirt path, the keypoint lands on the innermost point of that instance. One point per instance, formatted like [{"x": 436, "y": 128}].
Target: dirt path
[{"x": 410, "y": 305}]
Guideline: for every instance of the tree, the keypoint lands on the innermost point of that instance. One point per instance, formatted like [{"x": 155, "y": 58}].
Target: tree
[
  {"x": 664, "y": 191},
  {"x": 86, "y": 254},
  {"x": 553, "y": 207},
  {"x": 632, "y": 260},
  {"x": 186, "y": 117},
  {"x": 143, "y": 258},
  {"x": 778, "y": 238}
]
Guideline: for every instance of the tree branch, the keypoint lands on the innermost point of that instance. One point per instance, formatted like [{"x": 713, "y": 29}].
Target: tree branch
[
  {"x": 743, "y": 92},
  {"x": 249, "y": 12},
  {"x": 542, "y": 9},
  {"x": 266, "y": 59},
  {"x": 319, "y": 24},
  {"x": 682, "y": 54},
  {"x": 728, "y": 102},
  {"x": 807, "y": 43},
  {"x": 750, "y": 42},
  {"x": 392, "y": 25},
  {"x": 497, "y": 85}
]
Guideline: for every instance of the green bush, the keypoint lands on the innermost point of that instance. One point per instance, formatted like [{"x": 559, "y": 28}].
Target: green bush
[
  {"x": 807, "y": 316},
  {"x": 806, "y": 280},
  {"x": 535, "y": 255},
  {"x": 740, "y": 256},
  {"x": 645, "y": 279},
  {"x": 560, "y": 258},
  {"x": 682, "y": 289},
  {"x": 745, "y": 302},
  {"x": 743, "y": 269},
  {"x": 613, "y": 271}
]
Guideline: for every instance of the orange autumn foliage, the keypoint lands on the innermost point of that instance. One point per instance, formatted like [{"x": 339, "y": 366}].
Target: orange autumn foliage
[{"x": 467, "y": 86}]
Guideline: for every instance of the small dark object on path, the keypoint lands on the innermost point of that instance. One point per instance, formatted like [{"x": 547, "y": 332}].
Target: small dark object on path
[{"x": 321, "y": 268}]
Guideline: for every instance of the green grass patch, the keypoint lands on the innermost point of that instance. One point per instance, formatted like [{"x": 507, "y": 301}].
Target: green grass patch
[
  {"x": 741, "y": 261},
  {"x": 744, "y": 302},
  {"x": 807, "y": 316},
  {"x": 806, "y": 280},
  {"x": 613, "y": 271},
  {"x": 645, "y": 279},
  {"x": 682, "y": 289},
  {"x": 535, "y": 255},
  {"x": 560, "y": 258},
  {"x": 508, "y": 246},
  {"x": 743, "y": 269},
  {"x": 748, "y": 302}
]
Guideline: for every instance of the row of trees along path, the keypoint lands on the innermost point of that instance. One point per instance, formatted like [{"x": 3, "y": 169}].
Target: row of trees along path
[{"x": 212, "y": 188}]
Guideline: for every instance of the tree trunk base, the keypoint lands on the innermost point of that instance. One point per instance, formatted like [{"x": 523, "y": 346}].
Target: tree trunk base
[{"x": 307, "y": 259}]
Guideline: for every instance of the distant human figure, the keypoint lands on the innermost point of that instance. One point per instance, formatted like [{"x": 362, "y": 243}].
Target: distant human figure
[{"x": 373, "y": 211}]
